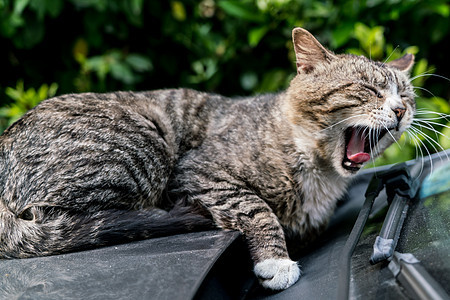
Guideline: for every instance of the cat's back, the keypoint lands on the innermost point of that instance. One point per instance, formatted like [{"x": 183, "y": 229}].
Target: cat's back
[
  {"x": 117, "y": 112},
  {"x": 90, "y": 149},
  {"x": 77, "y": 112}
]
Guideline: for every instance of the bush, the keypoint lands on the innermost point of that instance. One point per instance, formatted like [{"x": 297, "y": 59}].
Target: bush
[{"x": 231, "y": 47}]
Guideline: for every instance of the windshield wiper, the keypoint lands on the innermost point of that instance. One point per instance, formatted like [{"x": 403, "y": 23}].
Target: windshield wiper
[
  {"x": 400, "y": 189},
  {"x": 414, "y": 277}
]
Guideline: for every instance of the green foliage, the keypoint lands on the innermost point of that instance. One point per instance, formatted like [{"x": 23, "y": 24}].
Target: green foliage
[
  {"x": 24, "y": 100},
  {"x": 232, "y": 47},
  {"x": 120, "y": 66}
]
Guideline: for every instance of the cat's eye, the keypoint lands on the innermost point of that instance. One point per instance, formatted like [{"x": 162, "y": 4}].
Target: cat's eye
[{"x": 373, "y": 90}]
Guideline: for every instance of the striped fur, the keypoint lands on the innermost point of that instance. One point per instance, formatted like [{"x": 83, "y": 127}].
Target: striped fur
[{"x": 87, "y": 170}]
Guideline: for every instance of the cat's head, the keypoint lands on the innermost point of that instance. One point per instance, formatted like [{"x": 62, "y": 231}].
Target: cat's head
[{"x": 347, "y": 109}]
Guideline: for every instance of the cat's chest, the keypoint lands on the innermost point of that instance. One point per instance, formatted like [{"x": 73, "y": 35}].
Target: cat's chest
[{"x": 311, "y": 201}]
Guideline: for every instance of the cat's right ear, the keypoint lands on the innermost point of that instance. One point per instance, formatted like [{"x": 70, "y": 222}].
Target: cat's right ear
[
  {"x": 403, "y": 63},
  {"x": 308, "y": 51}
]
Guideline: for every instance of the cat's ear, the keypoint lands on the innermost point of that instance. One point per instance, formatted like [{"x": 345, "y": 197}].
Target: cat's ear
[
  {"x": 403, "y": 63},
  {"x": 308, "y": 51}
]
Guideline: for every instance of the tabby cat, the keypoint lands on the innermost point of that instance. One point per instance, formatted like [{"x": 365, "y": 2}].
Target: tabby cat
[{"x": 86, "y": 170}]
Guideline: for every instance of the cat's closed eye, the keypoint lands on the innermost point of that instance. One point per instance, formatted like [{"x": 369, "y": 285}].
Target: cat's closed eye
[{"x": 373, "y": 90}]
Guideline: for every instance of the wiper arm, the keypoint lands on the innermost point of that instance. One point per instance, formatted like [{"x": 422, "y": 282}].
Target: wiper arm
[
  {"x": 374, "y": 188},
  {"x": 400, "y": 190}
]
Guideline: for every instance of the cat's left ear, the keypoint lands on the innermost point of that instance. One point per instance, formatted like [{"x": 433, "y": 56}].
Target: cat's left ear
[
  {"x": 308, "y": 51},
  {"x": 403, "y": 63}
]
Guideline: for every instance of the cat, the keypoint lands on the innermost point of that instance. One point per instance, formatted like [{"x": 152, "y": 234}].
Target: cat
[{"x": 86, "y": 170}]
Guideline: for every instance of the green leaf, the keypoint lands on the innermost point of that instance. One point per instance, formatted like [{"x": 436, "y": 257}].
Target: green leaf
[
  {"x": 178, "y": 10},
  {"x": 354, "y": 51},
  {"x": 421, "y": 68},
  {"x": 98, "y": 64},
  {"x": 4, "y": 112},
  {"x": 241, "y": 10},
  {"x": 272, "y": 81},
  {"x": 341, "y": 34},
  {"x": 122, "y": 72},
  {"x": 138, "y": 62},
  {"x": 42, "y": 92},
  {"x": 13, "y": 94},
  {"x": 204, "y": 70},
  {"x": 412, "y": 50},
  {"x": 371, "y": 40},
  {"x": 441, "y": 105},
  {"x": 434, "y": 104},
  {"x": 441, "y": 8},
  {"x": 52, "y": 90},
  {"x": 19, "y": 6},
  {"x": 256, "y": 34},
  {"x": 136, "y": 6}
]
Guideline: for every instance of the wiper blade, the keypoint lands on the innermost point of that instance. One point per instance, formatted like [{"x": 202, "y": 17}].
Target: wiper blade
[{"x": 414, "y": 278}]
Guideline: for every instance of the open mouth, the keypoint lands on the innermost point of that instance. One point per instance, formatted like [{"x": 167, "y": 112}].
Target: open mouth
[{"x": 358, "y": 143}]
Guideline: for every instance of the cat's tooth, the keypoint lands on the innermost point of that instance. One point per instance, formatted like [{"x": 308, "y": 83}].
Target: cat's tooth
[
  {"x": 348, "y": 163},
  {"x": 359, "y": 165}
]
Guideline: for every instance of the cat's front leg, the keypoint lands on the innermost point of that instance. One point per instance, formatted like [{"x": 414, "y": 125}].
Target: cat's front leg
[{"x": 265, "y": 238}]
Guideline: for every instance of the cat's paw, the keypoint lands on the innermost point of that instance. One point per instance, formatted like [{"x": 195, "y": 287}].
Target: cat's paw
[{"x": 277, "y": 274}]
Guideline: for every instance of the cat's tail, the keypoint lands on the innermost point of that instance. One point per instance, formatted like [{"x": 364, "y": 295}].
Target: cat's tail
[
  {"x": 119, "y": 226},
  {"x": 74, "y": 231}
]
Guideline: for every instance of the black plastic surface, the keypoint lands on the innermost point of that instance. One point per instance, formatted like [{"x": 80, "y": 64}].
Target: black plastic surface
[{"x": 162, "y": 268}]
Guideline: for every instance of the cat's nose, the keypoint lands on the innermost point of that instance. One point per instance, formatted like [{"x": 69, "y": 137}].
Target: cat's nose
[{"x": 399, "y": 113}]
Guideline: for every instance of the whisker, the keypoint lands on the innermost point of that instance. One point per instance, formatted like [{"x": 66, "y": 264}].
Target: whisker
[
  {"x": 393, "y": 51},
  {"x": 429, "y": 119},
  {"x": 372, "y": 156},
  {"x": 437, "y": 152},
  {"x": 424, "y": 89},
  {"x": 429, "y": 139},
  {"x": 420, "y": 112},
  {"x": 429, "y": 111},
  {"x": 432, "y": 141},
  {"x": 393, "y": 138},
  {"x": 431, "y": 128},
  {"x": 421, "y": 142},
  {"x": 415, "y": 141},
  {"x": 428, "y": 74},
  {"x": 429, "y": 122}
]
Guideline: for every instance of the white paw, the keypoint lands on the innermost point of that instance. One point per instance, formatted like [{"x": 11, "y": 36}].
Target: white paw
[{"x": 277, "y": 274}]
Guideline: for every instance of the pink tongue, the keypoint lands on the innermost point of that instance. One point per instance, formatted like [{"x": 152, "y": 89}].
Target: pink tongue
[{"x": 355, "y": 148}]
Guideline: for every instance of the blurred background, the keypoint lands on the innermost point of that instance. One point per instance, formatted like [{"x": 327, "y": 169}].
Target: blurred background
[{"x": 231, "y": 47}]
